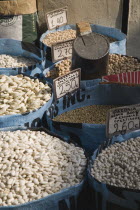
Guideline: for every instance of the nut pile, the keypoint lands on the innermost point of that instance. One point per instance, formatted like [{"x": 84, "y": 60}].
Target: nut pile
[
  {"x": 34, "y": 164},
  {"x": 60, "y": 69},
  {"x": 20, "y": 94},
  {"x": 119, "y": 165},
  {"x": 119, "y": 64},
  {"x": 8, "y": 61},
  {"x": 95, "y": 114},
  {"x": 59, "y": 36}
]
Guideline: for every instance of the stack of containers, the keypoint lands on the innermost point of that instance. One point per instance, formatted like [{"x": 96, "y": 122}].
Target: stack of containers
[{"x": 118, "y": 45}]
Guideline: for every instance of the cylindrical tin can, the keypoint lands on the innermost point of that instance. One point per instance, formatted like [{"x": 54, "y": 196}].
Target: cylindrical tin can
[{"x": 91, "y": 54}]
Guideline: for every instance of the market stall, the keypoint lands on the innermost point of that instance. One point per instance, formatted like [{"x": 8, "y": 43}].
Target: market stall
[{"x": 69, "y": 113}]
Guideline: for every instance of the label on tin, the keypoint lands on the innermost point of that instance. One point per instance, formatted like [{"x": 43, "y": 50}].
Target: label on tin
[
  {"x": 62, "y": 50},
  {"x": 67, "y": 84},
  {"x": 56, "y": 18},
  {"x": 122, "y": 120}
]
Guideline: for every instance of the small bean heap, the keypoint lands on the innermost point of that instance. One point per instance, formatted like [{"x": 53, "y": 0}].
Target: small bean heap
[
  {"x": 34, "y": 164},
  {"x": 95, "y": 114},
  {"x": 60, "y": 69},
  {"x": 119, "y": 165},
  {"x": 59, "y": 36},
  {"x": 8, "y": 61},
  {"x": 119, "y": 64},
  {"x": 20, "y": 94}
]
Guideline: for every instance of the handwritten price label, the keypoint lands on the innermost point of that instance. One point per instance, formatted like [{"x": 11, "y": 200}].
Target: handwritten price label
[
  {"x": 123, "y": 119},
  {"x": 62, "y": 50},
  {"x": 56, "y": 18},
  {"x": 67, "y": 83}
]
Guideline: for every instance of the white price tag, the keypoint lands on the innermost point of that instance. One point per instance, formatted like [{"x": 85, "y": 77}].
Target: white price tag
[
  {"x": 67, "y": 83},
  {"x": 56, "y": 18},
  {"x": 62, "y": 50},
  {"x": 123, "y": 119}
]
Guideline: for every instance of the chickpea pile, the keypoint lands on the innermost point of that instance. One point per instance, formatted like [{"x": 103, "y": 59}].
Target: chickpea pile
[
  {"x": 120, "y": 64},
  {"x": 60, "y": 69},
  {"x": 59, "y": 36}
]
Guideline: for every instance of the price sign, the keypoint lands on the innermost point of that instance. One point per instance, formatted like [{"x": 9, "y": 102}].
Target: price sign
[
  {"x": 123, "y": 119},
  {"x": 67, "y": 83},
  {"x": 62, "y": 50},
  {"x": 56, "y": 18}
]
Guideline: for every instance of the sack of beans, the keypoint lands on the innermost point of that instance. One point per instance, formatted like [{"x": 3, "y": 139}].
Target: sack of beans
[
  {"x": 18, "y": 20},
  {"x": 114, "y": 176},
  {"x": 116, "y": 38},
  {"x": 82, "y": 114},
  {"x": 39, "y": 170},
  {"x": 23, "y": 100},
  {"x": 58, "y": 69},
  {"x": 21, "y": 57},
  {"x": 123, "y": 69},
  {"x": 120, "y": 69}
]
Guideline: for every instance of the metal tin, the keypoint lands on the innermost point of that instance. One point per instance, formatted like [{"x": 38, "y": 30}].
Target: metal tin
[{"x": 91, "y": 54}]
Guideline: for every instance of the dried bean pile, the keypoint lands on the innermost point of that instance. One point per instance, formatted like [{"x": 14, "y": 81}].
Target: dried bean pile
[
  {"x": 95, "y": 114},
  {"x": 34, "y": 164},
  {"x": 8, "y": 61},
  {"x": 119, "y": 165},
  {"x": 59, "y": 36},
  {"x": 60, "y": 69},
  {"x": 119, "y": 64},
  {"x": 20, "y": 94}
]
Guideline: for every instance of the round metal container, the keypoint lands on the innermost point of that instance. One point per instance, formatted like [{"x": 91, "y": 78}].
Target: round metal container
[{"x": 91, "y": 54}]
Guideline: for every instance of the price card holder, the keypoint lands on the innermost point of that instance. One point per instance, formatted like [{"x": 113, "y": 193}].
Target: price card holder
[
  {"x": 56, "y": 18},
  {"x": 67, "y": 84},
  {"x": 62, "y": 50},
  {"x": 122, "y": 120}
]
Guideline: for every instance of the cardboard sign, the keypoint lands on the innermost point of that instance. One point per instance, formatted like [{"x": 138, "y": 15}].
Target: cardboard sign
[
  {"x": 83, "y": 28},
  {"x": 122, "y": 120},
  {"x": 56, "y": 18},
  {"x": 67, "y": 84},
  {"x": 62, "y": 50}
]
